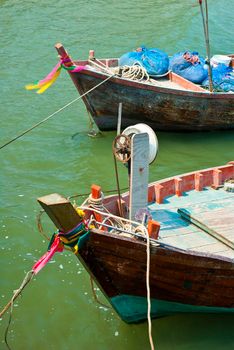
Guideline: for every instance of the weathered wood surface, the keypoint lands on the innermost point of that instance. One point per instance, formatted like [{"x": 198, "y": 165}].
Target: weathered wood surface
[
  {"x": 217, "y": 222},
  {"x": 177, "y": 276},
  {"x": 64, "y": 55},
  {"x": 163, "y": 105},
  {"x": 159, "y": 107},
  {"x": 196, "y": 268},
  {"x": 139, "y": 173},
  {"x": 215, "y": 208},
  {"x": 61, "y": 211}
]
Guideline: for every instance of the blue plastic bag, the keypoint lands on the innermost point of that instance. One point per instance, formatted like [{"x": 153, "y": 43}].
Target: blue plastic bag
[
  {"x": 155, "y": 61},
  {"x": 189, "y": 65},
  {"x": 222, "y": 78}
]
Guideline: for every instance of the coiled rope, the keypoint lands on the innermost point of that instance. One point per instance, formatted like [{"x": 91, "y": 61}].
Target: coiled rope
[
  {"x": 134, "y": 72},
  {"x": 56, "y": 112}
]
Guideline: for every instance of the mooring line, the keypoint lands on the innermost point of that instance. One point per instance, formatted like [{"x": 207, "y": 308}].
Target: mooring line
[
  {"x": 148, "y": 290},
  {"x": 17, "y": 293},
  {"x": 7, "y": 328},
  {"x": 95, "y": 295},
  {"x": 56, "y": 112}
]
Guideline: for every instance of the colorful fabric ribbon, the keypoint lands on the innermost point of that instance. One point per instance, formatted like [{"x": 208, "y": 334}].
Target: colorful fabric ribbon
[
  {"x": 44, "y": 84},
  {"x": 57, "y": 243},
  {"x": 56, "y": 246}
]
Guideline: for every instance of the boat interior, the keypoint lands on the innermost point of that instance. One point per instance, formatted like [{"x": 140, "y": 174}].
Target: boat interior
[
  {"x": 169, "y": 80},
  {"x": 195, "y": 211}
]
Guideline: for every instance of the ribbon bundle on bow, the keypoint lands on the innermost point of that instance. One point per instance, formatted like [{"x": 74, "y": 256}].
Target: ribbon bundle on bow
[
  {"x": 44, "y": 84},
  {"x": 75, "y": 238},
  {"x": 57, "y": 242}
]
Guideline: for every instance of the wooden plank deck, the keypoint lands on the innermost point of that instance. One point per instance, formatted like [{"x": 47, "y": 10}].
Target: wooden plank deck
[
  {"x": 207, "y": 212},
  {"x": 218, "y": 223}
]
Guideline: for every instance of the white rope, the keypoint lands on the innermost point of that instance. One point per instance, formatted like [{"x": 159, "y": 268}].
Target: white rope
[
  {"x": 100, "y": 65},
  {"x": 96, "y": 201},
  {"x": 148, "y": 285},
  {"x": 147, "y": 261},
  {"x": 108, "y": 214},
  {"x": 97, "y": 205},
  {"x": 148, "y": 290},
  {"x": 56, "y": 112},
  {"x": 134, "y": 72}
]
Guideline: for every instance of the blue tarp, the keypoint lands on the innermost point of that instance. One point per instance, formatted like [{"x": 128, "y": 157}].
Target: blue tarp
[
  {"x": 190, "y": 65},
  {"x": 222, "y": 78},
  {"x": 155, "y": 61}
]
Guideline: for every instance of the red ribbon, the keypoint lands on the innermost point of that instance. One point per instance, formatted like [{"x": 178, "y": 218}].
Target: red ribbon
[{"x": 56, "y": 246}]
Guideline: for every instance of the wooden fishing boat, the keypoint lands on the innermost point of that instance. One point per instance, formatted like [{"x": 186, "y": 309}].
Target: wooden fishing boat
[
  {"x": 182, "y": 239},
  {"x": 169, "y": 103}
]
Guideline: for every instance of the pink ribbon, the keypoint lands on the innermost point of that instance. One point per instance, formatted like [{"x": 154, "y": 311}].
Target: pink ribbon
[
  {"x": 51, "y": 74},
  {"x": 78, "y": 69},
  {"x": 55, "y": 247}
]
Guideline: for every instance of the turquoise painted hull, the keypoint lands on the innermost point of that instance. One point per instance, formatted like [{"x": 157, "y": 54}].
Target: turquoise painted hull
[{"x": 133, "y": 309}]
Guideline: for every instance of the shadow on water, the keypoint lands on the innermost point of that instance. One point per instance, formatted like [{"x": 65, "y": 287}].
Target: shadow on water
[
  {"x": 195, "y": 331},
  {"x": 184, "y": 332},
  {"x": 205, "y": 331},
  {"x": 93, "y": 133}
]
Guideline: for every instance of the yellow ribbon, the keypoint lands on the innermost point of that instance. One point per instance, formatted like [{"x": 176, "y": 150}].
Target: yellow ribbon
[{"x": 43, "y": 86}]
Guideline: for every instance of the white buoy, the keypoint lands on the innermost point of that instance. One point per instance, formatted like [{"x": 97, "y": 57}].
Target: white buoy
[{"x": 153, "y": 141}]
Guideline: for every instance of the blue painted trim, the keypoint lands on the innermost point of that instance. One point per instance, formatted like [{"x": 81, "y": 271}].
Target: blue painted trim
[{"x": 133, "y": 309}]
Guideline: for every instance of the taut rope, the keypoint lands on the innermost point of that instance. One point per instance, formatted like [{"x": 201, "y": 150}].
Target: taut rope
[
  {"x": 17, "y": 292},
  {"x": 206, "y": 34},
  {"x": 10, "y": 304},
  {"x": 148, "y": 289},
  {"x": 56, "y": 112}
]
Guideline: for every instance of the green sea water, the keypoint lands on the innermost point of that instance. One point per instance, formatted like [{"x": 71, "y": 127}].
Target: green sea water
[{"x": 57, "y": 310}]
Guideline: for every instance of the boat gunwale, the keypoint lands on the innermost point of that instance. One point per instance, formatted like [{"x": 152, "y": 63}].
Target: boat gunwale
[
  {"x": 200, "y": 171},
  {"x": 151, "y": 87},
  {"x": 229, "y": 167},
  {"x": 164, "y": 247}
]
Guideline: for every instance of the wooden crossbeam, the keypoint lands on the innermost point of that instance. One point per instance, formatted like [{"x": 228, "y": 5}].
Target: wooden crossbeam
[{"x": 61, "y": 211}]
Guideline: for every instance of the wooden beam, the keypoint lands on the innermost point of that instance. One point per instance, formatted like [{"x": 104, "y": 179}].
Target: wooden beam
[
  {"x": 60, "y": 211},
  {"x": 139, "y": 173},
  {"x": 64, "y": 55},
  {"x": 60, "y": 49}
]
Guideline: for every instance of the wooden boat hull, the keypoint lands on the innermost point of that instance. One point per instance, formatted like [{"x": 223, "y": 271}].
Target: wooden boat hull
[
  {"x": 161, "y": 108},
  {"x": 192, "y": 267},
  {"x": 179, "y": 281},
  {"x": 191, "y": 256}
]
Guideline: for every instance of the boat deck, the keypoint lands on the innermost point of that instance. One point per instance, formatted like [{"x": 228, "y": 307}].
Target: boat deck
[
  {"x": 166, "y": 83},
  {"x": 169, "y": 81},
  {"x": 198, "y": 221}
]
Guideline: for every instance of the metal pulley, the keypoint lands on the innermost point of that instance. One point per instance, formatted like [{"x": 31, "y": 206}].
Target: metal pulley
[
  {"x": 122, "y": 148},
  {"x": 122, "y": 143}
]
